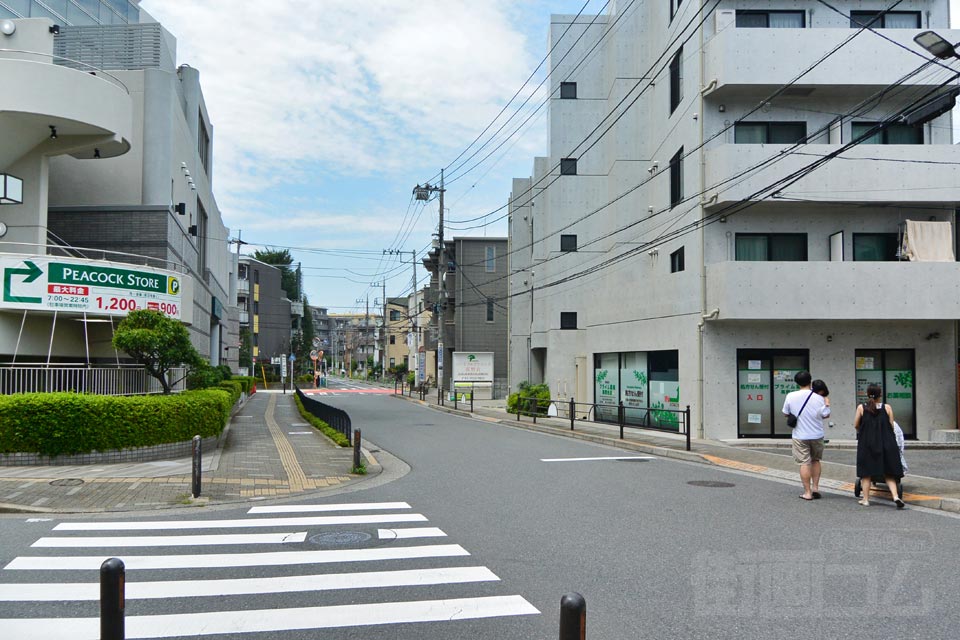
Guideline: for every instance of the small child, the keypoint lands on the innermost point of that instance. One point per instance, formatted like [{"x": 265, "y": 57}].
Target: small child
[{"x": 898, "y": 432}]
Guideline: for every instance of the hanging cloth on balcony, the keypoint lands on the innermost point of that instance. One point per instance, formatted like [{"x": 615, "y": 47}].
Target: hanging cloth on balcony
[{"x": 928, "y": 242}]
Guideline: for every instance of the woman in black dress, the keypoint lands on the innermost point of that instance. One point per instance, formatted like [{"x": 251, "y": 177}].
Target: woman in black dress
[{"x": 877, "y": 452}]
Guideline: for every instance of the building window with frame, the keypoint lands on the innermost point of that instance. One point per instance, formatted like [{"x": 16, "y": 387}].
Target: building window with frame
[
  {"x": 769, "y": 132},
  {"x": 489, "y": 310},
  {"x": 676, "y": 261},
  {"x": 393, "y": 339},
  {"x": 771, "y": 247},
  {"x": 875, "y": 247},
  {"x": 490, "y": 260},
  {"x": 764, "y": 378},
  {"x": 894, "y": 370},
  {"x": 394, "y": 315},
  {"x": 568, "y": 166},
  {"x": 203, "y": 144},
  {"x": 568, "y": 319},
  {"x": 885, "y": 19},
  {"x": 568, "y": 90},
  {"x": 752, "y": 19},
  {"x": 676, "y": 178},
  {"x": 891, "y": 134},
  {"x": 676, "y": 80},
  {"x": 568, "y": 242}
]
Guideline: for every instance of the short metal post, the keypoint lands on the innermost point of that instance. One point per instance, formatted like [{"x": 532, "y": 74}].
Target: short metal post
[
  {"x": 471, "y": 398},
  {"x": 620, "y": 417},
  {"x": 573, "y": 411},
  {"x": 686, "y": 420},
  {"x": 112, "y": 581},
  {"x": 573, "y": 617},
  {"x": 455, "y": 404},
  {"x": 536, "y": 408},
  {"x": 356, "y": 449},
  {"x": 197, "y": 465}
]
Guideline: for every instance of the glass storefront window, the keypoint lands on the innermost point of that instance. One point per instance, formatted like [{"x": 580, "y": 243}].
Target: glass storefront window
[
  {"x": 764, "y": 378},
  {"x": 646, "y": 382},
  {"x": 633, "y": 386},
  {"x": 894, "y": 371},
  {"x": 606, "y": 393},
  {"x": 664, "y": 388}
]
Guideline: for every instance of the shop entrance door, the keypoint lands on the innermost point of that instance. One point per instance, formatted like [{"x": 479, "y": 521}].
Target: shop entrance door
[{"x": 764, "y": 378}]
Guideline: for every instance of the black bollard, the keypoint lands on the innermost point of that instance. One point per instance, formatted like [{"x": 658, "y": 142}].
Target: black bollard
[
  {"x": 356, "y": 449},
  {"x": 197, "y": 466},
  {"x": 573, "y": 617},
  {"x": 573, "y": 412},
  {"x": 112, "y": 581}
]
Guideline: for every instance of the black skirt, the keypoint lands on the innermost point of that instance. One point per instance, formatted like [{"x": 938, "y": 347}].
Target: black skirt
[{"x": 877, "y": 452}]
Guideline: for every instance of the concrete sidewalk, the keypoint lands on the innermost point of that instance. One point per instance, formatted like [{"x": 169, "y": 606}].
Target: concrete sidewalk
[
  {"x": 939, "y": 489},
  {"x": 267, "y": 450}
]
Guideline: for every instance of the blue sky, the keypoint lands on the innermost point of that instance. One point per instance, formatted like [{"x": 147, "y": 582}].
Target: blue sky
[{"x": 326, "y": 114}]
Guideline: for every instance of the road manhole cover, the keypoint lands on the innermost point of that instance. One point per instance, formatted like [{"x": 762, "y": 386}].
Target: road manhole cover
[
  {"x": 66, "y": 482},
  {"x": 711, "y": 483},
  {"x": 339, "y": 538}
]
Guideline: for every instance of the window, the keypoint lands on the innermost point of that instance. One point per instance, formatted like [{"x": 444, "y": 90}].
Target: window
[
  {"x": 568, "y": 90},
  {"x": 489, "y": 310},
  {"x": 875, "y": 247},
  {"x": 771, "y": 247},
  {"x": 490, "y": 263},
  {"x": 674, "y": 7},
  {"x": 676, "y": 261},
  {"x": 771, "y": 19},
  {"x": 256, "y": 276},
  {"x": 203, "y": 144},
  {"x": 393, "y": 362},
  {"x": 894, "y": 371},
  {"x": 568, "y": 166},
  {"x": 568, "y": 242},
  {"x": 676, "y": 80},
  {"x": 568, "y": 319},
  {"x": 676, "y": 178},
  {"x": 394, "y": 315},
  {"x": 891, "y": 134},
  {"x": 764, "y": 378},
  {"x": 393, "y": 339},
  {"x": 885, "y": 20},
  {"x": 769, "y": 132}
]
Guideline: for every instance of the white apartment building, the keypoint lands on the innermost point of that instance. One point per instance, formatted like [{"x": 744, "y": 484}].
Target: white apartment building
[{"x": 689, "y": 239}]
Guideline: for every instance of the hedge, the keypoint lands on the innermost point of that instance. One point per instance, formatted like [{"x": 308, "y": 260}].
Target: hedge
[
  {"x": 247, "y": 383},
  {"x": 338, "y": 438},
  {"x": 234, "y": 387},
  {"x": 54, "y": 424}
]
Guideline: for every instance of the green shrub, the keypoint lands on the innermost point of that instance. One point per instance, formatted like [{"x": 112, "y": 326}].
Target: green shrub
[
  {"x": 246, "y": 383},
  {"x": 235, "y": 389},
  {"x": 204, "y": 377},
  {"x": 528, "y": 392},
  {"x": 225, "y": 373},
  {"x": 306, "y": 378},
  {"x": 411, "y": 379},
  {"x": 68, "y": 423},
  {"x": 338, "y": 438}
]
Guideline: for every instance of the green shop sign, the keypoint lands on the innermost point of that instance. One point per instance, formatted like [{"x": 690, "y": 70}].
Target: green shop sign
[{"x": 96, "y": 276}]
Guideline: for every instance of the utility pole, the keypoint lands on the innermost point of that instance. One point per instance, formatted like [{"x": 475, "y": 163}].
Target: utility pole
[{"x": 423, "y": 193}]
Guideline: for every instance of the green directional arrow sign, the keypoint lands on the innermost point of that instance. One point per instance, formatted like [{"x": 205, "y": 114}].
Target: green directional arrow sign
[{"x": 32, "y": 272}]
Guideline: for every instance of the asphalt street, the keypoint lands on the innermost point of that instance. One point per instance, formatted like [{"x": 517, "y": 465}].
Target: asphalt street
[{"x": 503, "y": 522}]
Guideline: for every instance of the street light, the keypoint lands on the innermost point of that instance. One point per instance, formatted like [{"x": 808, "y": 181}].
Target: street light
[{"x": 936, "y": 45}]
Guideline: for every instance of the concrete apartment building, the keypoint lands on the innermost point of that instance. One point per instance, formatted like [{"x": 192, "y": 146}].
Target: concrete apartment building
[
  {"x": 265, "y": 311},
  {"x": 113, "y": 145},
  {"x": 396, "y": 333},
  {"x": 476, "y": 311},
  {"x": 421, "y": 359},
  {"x": 356, "y": 339},
  {"x": 680, "y": 244}
]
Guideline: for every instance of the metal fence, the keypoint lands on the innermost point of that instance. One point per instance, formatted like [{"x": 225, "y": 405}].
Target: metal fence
[
  {"x": 336, "y": 418},
  {"x": 105, "y": 381},
  {"x": 653, "y": 418}
]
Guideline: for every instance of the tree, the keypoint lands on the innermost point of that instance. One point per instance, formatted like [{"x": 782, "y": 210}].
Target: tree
[
  {"x": 246, "y": 348},
  {"x": 306, "y": 343},
  {"x": 157, "y": 342},
  {"x": 281, "y": 258}
]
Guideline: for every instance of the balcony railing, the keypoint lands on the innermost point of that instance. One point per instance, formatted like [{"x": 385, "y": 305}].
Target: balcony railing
[
  {"x": 105, "y": 381},
  {"x": 244, "y": 317},
  {"x": 243, "y": 286}
]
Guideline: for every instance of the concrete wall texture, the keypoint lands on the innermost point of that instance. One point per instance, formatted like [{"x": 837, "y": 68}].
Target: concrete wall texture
[{"x": 625, "y": 282}]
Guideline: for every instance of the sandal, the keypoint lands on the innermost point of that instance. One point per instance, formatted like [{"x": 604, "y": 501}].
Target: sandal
[
  {"x": 863, "y": 503},
  {"x": 899, "y": 502}
]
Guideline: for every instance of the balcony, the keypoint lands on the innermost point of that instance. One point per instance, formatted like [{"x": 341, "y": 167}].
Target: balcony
[
  {"x": 823, "y": 290},
  {"x": 731, "y": 59},
  {"x": 855, "y": 176},
  {"x": 296, "y": 309},
  {"x": 244, "y": 317},
  {"x": 243, "y": 286}
]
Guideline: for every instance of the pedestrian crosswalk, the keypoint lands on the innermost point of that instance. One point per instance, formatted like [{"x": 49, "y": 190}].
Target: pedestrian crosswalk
[
  {"x": 229, "y": 580},
  {"x": 348, "y": 390}
]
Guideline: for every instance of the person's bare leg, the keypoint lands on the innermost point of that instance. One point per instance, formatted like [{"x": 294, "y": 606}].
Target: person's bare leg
[
  {"x": 805, "y": 474},
  {"x": 892, "y": 485},
  {"x": 815, "y": 477},
  {"x": 865, "y": 485}
]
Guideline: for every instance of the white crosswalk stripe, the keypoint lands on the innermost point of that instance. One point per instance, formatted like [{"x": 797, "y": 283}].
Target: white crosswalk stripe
[{"x": 214, "y": 588}]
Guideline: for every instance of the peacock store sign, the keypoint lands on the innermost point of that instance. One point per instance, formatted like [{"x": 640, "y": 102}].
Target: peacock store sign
[{"x": 41, "y": 283}]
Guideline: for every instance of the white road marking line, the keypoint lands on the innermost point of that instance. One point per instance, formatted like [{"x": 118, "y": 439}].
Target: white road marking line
[
  {"x": 601, "y": 458},
  {"x": 298, "y": 433},
  {"x": 399, "y": 534},
  {"x": 158, "y": 525},
  {"x": 215, "y": 560},
  {"x": 308, "y": 508},
  {"x": 265, "y": 620},
  {"x": 173, "y": 541},
  {"x": 87, "y": 591}
]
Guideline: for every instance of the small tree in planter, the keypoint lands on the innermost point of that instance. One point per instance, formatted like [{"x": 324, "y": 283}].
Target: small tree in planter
[{"x": 157, "y": 342}]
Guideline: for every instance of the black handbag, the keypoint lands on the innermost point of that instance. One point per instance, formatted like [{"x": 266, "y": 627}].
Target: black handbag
[{"x": 792, "y": 419}]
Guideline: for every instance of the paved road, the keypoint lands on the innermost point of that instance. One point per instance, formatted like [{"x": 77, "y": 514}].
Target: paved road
[{"x": 524, "y": 519}]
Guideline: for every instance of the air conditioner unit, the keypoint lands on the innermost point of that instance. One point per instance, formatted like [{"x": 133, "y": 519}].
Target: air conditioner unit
[{"x": 724, "y": 19}]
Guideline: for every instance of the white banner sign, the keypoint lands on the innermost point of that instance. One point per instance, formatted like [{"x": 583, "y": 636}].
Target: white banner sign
[
  {"x": 472, "y": 366},
  {"x": 63, "y": 284}
]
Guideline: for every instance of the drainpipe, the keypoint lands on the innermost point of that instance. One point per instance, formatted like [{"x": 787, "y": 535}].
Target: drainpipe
[{"x": 703, "y": 263}]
